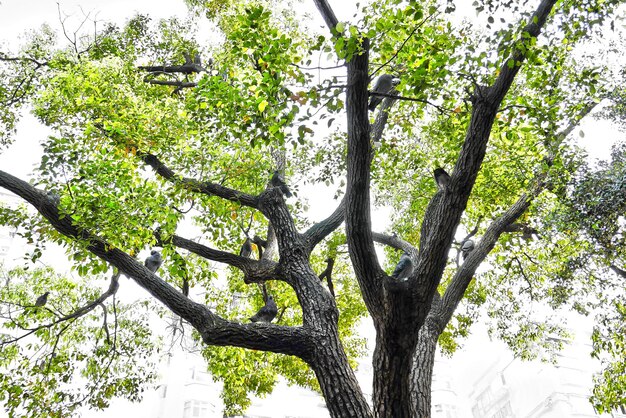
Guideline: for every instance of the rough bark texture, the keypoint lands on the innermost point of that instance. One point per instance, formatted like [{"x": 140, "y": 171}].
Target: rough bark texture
[
  {"x": 422, "y": 369},
  {"x": 399, "y": 309},
  {"x": 344, "y": 397}
]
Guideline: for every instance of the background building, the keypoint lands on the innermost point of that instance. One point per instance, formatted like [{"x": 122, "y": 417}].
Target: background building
[{"x": 507, "y": 387}]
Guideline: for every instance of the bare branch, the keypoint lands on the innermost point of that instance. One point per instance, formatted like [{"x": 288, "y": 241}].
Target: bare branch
[
  {"x": 38, "y": 64},
  {"x": 394, "y": 242},
  {"x": 327, "y": 13},
  {"x": 76, "y": 314},
  {"x": 198, "y": 186},
  {"x": 526, "y": 279},
  {"x": 412, "y": 99},
  {"x": 254, "y": 271},
  {"x": 328, "y": 273},
  {"x": 320, "y": 230}
]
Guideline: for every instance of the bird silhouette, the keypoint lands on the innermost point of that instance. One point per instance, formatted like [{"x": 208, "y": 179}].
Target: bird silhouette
[
  {"x": 404, "y": 268},
  {"x": 278, "y": 181},
  {"x": 154, "y": 261},
  {"x": 42, "y": 300},
  {"x": 261, "y": 244},
  {"x": 466, "y": 248},
  {"x": 267, "y": 313},
  {"x": 384, "y": 84},
  {"x": 442, "y": 178}
]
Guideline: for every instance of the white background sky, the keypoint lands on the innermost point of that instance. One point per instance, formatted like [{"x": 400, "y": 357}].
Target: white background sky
[{"x": 17, "y": 16}]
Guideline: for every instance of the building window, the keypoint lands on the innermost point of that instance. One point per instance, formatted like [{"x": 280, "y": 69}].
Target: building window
[
  {"x": 200, "y": 376},
  {"x": 504, "y": 412},
  {"x": 197, "y": 409}
]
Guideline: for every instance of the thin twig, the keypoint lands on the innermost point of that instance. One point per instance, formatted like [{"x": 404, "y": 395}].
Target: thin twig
[{"x": 419, "y": 25}]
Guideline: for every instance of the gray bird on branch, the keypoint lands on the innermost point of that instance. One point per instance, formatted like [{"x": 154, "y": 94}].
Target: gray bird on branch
[
  {"x": 278, "y": 181},
  {"x": 466, "y": 248},
  {"x": 267, "y": 313},
  {"x": 246, "y": 248},
  {"x": 154, "y": 261},
  {"x": 442, "y": 178},
  {"x": 42, "y": 300},
  {"x": 404, "y": 268},
  {"x": 384, "y": 84}
]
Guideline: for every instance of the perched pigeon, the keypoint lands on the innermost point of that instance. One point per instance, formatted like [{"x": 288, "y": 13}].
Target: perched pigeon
[
  {"x": 246, "y": 249},
  {"x": 404, "y": 268},
  {"x": 442, "y": 178},
  {"x": 466, "y": 248},
  {"x": 267, "y": 313},
  {"x": 383, "y": 85},
  {"x": 277, "y": 181},
  {"x": 154, "y": 261},
  {"x": 41, "y": 300}
]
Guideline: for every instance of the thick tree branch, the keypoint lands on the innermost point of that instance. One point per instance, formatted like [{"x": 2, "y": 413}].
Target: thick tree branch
[
  {"x": 445, "y": 209},
  {"x": 322, "y": 229},
  {"x": 455, "y": 291},
  {"x": 327, "y": 13},
  {"x": 393, "y": 241},
  {"x": 512, "y": 65},
  {"x": 213, "y": 329},
  {"x": 198, "y": 186},
  {"x": 165, "y": 69},
  {"x": 254, "y": 271},
  {"x": 358, "y": 213},
  {"x": 173, "y": 83}
]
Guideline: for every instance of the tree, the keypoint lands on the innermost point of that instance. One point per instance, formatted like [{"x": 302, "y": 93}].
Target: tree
[
  {"x": 595, "y": 205},
  {"x": 130, "y": 156}
]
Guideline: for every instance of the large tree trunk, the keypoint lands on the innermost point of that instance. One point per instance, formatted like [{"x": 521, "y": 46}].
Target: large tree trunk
[
  {"x": 392, "y": 376},
  {"x": 340, "y": 388},
  {"x": 422, "y": 370}
]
